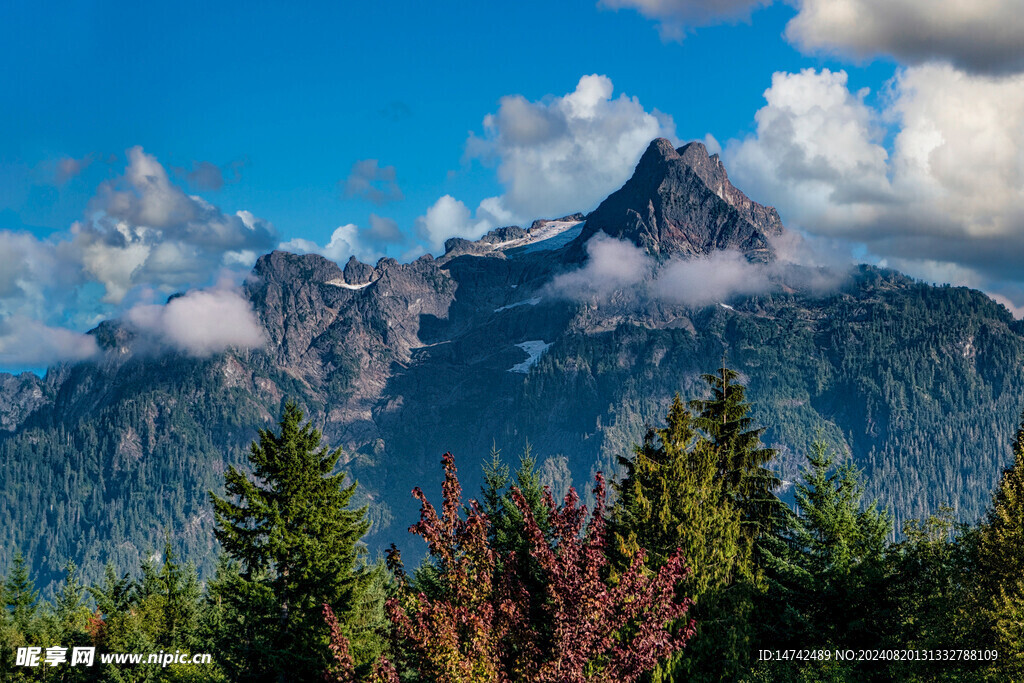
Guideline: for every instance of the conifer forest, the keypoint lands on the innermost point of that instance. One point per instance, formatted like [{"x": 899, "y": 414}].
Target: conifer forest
[{"x": 688, "y": 566}]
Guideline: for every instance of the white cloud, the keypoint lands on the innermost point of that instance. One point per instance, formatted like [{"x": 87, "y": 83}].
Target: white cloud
[
  {"x": 983, "y": 36},
  {"x": 345, "y": 242},
  {"x": 448, "y": 217},
  {"x": 28, "y": 343},
  {"x": 200, "y": 323},
  {"x": 948, "y": 198},
  {"x": 144, "y": 230},
  {"x": 142, "y": 236},
  {"x": 565, "y": 154},
  {"x": 675, "y": 16},
  {"x": 612, "y": 265},
  {"x": 716, "y": 278}
]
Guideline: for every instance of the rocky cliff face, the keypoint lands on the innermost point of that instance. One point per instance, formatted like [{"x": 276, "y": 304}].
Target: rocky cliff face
[{"x": 680, "y": 202}]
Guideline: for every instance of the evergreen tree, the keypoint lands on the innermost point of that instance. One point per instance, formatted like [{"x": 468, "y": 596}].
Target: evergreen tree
[
  {"x": 20, "y": 596},
  {"x": 674, "y": 497},
  {"x": 1001, "y": 559},
  {"x": 291, "y": 529},
  {"x": 826, "y": 567},
  {"x": 742, "y": 458}
]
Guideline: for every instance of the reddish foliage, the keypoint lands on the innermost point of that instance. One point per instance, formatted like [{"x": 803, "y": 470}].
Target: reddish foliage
[
  {"x": 96, "y": 627},
  {"x": 477, "y": 626},
  {"x": 342, "y": 669}
]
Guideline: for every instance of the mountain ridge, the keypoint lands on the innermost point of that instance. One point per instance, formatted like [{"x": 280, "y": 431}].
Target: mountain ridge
[{"x": 399, "y": 362}]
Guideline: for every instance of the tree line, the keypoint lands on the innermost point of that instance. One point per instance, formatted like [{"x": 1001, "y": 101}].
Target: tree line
[{"x": 688, "y": 567}]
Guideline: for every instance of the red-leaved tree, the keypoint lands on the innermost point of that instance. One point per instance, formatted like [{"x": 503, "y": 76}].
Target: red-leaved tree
[{"x": 475, "y": 624}]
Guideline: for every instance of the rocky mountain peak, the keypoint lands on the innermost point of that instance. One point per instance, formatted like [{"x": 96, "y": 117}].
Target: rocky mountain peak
[
  {"x": 283, "y": 266},
  {"x": 680, "y": 201}
]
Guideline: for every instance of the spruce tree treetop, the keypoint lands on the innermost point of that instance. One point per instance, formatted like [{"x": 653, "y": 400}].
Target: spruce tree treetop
[
  {"x": 20, "y": 594},
  {"x": 743, "y": 459},
  {"x": 290, "y": 522}
]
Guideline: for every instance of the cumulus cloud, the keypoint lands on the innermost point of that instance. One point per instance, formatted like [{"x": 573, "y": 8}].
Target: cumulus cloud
[
  {"x": 344, "y": 242},
  {"x": 141, "y": 236},
  {"x": 199, "y": 323},
  {"x": 348, "y": 240},
  {"x": 675, "y": 16},
  {"x": 28, "y": 343},
  {"x": 982, "y": 36},
  {"x": 947, "y": 195},
  {"x": 144, "y": 230},
  {"x": 567, "y": 153},
  {"x": 371, "y": 181},
  {"x": 448, "y": 217}
]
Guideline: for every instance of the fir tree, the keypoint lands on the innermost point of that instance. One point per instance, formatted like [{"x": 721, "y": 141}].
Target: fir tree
[
  {"x": 672, "y": 498},
  {"x": 20, "y": 596},
  {"x": 742, "y": 458},
  {"x": 826, "y": 567},
  {"x": 291, "y": 529},
  {"x": 1001, "y": 559}
]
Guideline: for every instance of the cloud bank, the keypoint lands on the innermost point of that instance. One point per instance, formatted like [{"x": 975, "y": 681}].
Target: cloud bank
[
  {"x": 947, "y": 202},
  {"x": 619, "y": 270},
  {"x": 141, "y": 237},
  {"x": 199, "y": 323}
]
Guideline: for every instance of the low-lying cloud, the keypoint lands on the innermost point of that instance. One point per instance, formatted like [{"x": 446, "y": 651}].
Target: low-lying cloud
[
  {"x": 618, "y": 269},
  {"x": 199, "y": 323},
  {"x": 612, "y": 265},
  {"x": 29, "y": 343}
]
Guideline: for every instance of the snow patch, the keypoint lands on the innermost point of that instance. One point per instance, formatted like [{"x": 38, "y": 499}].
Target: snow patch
[
  {"x": 727, "y": 306},
  {"x": 534, "y": 349},
  {"x": 529, "y": 302},
  {"x": 338, "y": 282},
  {"x": 543, "y": 237}
]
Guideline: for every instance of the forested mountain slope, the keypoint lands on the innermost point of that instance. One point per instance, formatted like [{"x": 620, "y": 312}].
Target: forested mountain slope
[{"x": 399, "y": 363}]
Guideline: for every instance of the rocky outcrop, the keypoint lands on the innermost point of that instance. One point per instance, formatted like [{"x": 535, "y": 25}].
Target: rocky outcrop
[{"x": 681, "y": 202}]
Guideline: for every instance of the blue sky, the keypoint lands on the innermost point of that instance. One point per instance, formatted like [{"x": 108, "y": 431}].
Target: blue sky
[{"x": 278, "y": 111}]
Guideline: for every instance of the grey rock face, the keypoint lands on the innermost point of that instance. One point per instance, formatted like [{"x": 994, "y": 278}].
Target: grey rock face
[
  {"x": 20, "y": 396},
  {"x": 680, "y": 201},
  {"x": 357, "y": 272}
]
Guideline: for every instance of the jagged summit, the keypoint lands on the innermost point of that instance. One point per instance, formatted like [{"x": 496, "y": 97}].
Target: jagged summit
[{"x": 680, "y": 201}]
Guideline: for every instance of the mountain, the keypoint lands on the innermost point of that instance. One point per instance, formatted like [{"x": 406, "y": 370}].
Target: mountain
[
  {"x": 680, "y": 202},
  {"x": 399, "y": 362}
]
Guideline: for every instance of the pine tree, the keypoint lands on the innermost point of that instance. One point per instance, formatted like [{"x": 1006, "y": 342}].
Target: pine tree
[
  {"x": 1001, "y": 559},
  {"x": 291, "y": 529}
]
